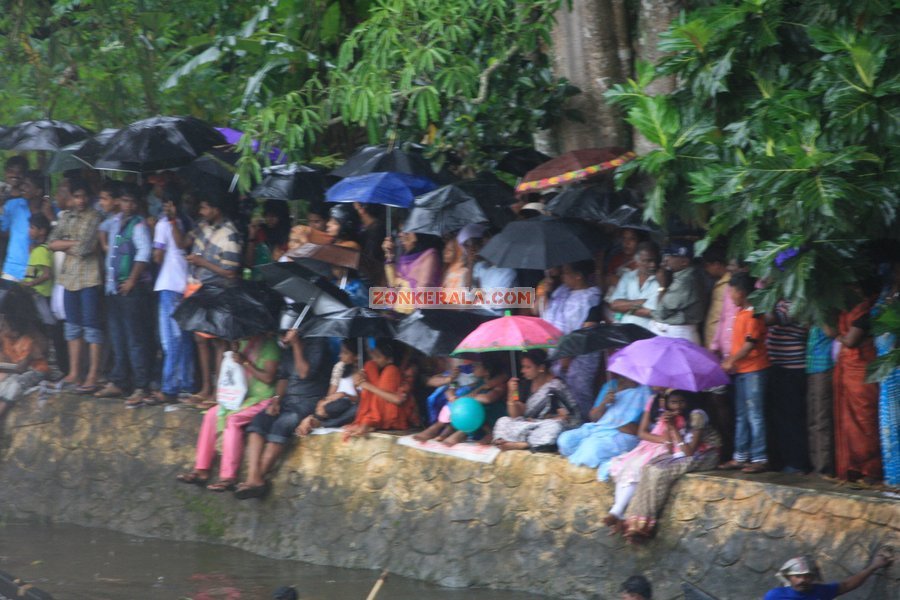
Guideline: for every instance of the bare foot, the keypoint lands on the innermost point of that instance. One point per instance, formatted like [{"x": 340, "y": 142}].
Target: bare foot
[
  {"x": 456, "y": 438},
  {"x": 429, "y": 433},
  {"x": 306, "y": 426},
  {"x": 506, "y": 446}
]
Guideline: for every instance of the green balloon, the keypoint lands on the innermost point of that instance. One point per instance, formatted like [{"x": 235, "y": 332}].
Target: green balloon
[{"x": 466, "y": 414}]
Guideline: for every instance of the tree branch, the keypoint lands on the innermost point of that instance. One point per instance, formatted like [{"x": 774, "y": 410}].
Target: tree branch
[{"x": 484, "y": 79}]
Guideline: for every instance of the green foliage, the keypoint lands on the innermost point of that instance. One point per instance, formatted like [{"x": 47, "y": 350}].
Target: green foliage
[
  {"x": 460, "y": 76},
  {"x": 781, "y": 136},
  {"x": 313, "y": 77}
]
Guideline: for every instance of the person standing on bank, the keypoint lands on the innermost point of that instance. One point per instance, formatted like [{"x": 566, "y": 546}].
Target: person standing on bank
[
  {"x": 76, "y": 235},
  {"x": 682, "y": 303}
]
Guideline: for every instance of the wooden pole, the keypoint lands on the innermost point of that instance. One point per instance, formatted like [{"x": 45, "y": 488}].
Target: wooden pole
[{"x": 377, "y": 587}]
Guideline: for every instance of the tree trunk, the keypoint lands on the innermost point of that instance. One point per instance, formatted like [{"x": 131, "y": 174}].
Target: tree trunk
[
  {"x": 591, "y": 48},
  {"x": 654, "y": 18}
]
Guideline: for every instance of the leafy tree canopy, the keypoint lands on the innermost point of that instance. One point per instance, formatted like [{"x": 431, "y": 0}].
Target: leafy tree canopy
[
  {"x": 781, "y": 137},
  {"x": 308, "y": 76}
]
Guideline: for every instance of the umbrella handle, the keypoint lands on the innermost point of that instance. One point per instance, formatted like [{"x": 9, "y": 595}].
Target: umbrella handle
[
  {"x": 301, "y": 317},
  {"x": 387, "y": 221},
  {"x": 344, "y": 280},
  {"x": 359, "y": 352},
  {"x": 512, "y": 363},
  {"x": 306, "y": 310}
]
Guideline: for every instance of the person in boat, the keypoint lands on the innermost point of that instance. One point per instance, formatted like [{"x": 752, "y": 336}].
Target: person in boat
[{"x": 802, "y": 579}]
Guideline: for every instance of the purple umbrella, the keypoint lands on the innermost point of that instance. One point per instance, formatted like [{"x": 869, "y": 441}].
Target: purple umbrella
[
  {"x": 670, "y": 363},
  {"x": 233, "y": 136}
]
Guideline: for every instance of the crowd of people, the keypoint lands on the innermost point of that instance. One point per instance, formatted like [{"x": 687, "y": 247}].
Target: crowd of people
[{"x": 110, "y": 261}]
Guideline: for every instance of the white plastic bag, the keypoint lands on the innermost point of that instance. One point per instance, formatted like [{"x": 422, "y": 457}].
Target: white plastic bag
[{"x": 232, "y": 385}]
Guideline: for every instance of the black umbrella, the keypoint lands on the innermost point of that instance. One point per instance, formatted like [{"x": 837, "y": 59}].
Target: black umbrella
[
  {"x": 538, "y": 243},
  {"x": 445, "y": 210},
  {"x": 493, "y": 196},
  {"x": 589, "y": 202},
  {"x": 46, "y": 134},
  {"x": 216, "y": 166},
  {"x": 306, "y": 287},
  {"x": 386, "y": 159},
  {"x": 158, "y": 143},
  {"x": 439, "y": 332},
  {"x": 292, "y": 182},
  {"x": 22, "y": 307},
  {"x": 630, "y": 217},
  {"x": 80, "y": 154},
  {"x": 521, "y": 160},
  {"x": 354, "y": 322},
  {"x": 600, "y": 337},
  {"x": 231, "y": 313}
]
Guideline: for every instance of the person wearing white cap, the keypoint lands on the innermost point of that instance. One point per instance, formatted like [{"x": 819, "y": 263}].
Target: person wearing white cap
[{"x": 802, "y": 579}]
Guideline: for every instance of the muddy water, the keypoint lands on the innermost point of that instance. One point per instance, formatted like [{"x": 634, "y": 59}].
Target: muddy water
[{"x": 77, "y": 563}]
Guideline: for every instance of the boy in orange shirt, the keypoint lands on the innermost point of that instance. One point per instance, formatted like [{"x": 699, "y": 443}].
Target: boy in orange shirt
[{"x": 749, "y": 361}]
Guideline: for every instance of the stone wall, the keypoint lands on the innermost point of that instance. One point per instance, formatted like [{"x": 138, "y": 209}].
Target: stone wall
[{"x": 528, "y": 522}]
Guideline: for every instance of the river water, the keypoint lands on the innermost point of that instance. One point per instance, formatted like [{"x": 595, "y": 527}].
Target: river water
[{"x": 77, "y": 563}]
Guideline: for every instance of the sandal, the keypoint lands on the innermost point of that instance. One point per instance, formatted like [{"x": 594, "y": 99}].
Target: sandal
[
  {"x": 87, "y": 389},
  {"x": 192, "y": 478},
  {"x": 225, "y": 485},
  {"x": 245, "y": 492},
  {"x": 732, "y": 465},
  {"x": 757, "y": 467}
]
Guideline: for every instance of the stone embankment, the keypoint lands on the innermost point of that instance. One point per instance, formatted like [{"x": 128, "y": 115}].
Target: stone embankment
[{"x": 528, "y": 522}]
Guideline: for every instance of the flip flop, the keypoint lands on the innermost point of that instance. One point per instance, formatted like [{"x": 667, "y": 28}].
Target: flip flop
[
  {"x": 87, "y": 389},
  {"x": 226, "y": 485},
  {"x": 252, "y": 491},
  {"x": 192, "y": 478}
]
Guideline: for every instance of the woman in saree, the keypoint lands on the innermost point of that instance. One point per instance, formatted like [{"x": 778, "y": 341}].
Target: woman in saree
[
  {"x": 419, "y": 266},
  {"x": 568, "y": 310},
  {"x": 857, "y": 452},
  {"x": 613, "y": 428},
  {"x": 694, "y": 448},
  {"x": 259, "y": 357},
  {"x": 536, "y": 423},
  {"x": 385, "y": 401},
  {"x": 889, "y": 398}
]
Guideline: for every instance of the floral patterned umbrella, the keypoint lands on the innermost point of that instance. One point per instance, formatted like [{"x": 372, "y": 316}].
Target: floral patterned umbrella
[{"x": 573, "y": 166}]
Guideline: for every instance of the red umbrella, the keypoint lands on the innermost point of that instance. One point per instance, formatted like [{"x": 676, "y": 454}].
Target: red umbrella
[{"x": 573, "y": 166}]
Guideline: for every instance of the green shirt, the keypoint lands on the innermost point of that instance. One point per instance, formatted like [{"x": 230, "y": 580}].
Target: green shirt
[
  {"x": 40, "y": 261},
  {"x": 684, "y": 303}
]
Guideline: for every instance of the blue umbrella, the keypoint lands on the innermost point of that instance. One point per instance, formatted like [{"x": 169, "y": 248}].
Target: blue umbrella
[{"x": 389, "y": 189}]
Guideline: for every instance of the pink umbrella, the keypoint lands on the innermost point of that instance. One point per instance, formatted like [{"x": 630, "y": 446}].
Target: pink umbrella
[
  {"x": 512, "y": 333},
  {"x": 670, "y": 363}
]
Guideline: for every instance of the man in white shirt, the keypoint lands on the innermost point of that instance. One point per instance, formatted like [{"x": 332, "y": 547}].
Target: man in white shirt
[
  {"x": 177, "y": 345},
  {"x": 637, "y": 292}
]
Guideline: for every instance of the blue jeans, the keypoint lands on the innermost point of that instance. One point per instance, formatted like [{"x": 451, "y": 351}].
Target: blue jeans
[
  {"x": 177, "y": 346},
  {"x": 83, "y": 315},
  {"x": 750, "y": 423},
  {"x": 129, "y": 337}
]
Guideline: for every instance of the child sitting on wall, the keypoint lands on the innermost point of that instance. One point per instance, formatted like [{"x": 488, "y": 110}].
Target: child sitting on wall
[{"x": 22, "y": 355}]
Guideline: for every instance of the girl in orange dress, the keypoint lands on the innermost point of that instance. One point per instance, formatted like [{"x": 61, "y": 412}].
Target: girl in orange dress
[{"x": 385, "y": 399}]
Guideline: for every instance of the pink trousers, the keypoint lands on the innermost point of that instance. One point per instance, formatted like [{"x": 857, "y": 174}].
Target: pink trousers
[{"x": 232, "y": 440}]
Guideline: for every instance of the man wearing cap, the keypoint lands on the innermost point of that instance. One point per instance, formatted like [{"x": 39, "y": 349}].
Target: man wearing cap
[
  {"x": 682, "y": 304},
  {"x": 801, "y": 578}
]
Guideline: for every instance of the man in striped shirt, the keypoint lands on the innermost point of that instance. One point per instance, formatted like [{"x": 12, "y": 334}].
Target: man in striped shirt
[
  {"x": 214, "y": 259},
  {"x": 786, "y": 397}
]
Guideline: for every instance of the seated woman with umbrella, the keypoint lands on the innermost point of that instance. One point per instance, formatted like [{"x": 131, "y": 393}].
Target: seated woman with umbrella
[
  {"x": 385, "y": 401},
  {"x": 537, "y": 422},
  {"x": 419, "y": 265}
]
